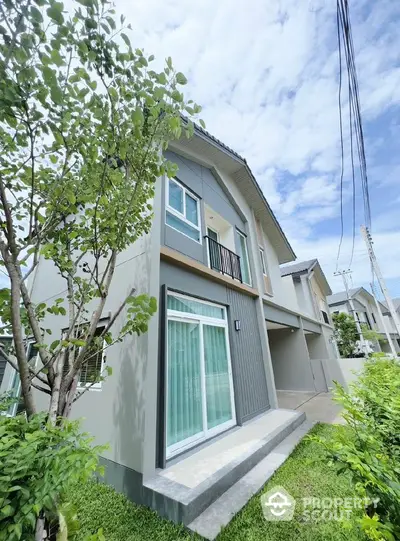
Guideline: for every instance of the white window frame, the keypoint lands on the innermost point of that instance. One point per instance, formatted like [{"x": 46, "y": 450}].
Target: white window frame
[
  {"x": 178, "y": 214},
  {"x": 263, "y": 262},
  {"x": 175, "y": 315},
  {"x": 247, "y": 257}
]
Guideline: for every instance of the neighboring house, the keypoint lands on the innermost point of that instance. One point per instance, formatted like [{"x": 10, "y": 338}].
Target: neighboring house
[
  {"x": 311, "y": 288},
  {"x": 366, "y": 313},
  {"x": 226, "y": 337},
  {"x": 390, "y": 323}
]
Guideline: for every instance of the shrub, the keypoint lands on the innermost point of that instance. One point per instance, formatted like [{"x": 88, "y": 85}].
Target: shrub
[
  {"x": 345, "y": 333},
  {"x": 39, "y": 461},
  {"x": 372, "y": 452}
]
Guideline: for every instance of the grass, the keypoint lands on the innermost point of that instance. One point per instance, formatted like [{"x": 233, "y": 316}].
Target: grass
[{"x": 305, "y": 474}]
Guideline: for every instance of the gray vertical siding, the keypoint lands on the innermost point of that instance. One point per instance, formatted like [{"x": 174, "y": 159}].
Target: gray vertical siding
[
  {"x": 249, "y": 379},
  {"x": 202, "y": 182},
  {"x": 251, "y": 392}
]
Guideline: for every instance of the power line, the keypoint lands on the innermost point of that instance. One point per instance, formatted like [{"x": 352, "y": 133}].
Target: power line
[
  {"x": 341, "y": 138},
  {"x": 345, "y": 39}
]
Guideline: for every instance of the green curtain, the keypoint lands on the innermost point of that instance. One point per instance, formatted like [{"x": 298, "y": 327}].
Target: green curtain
[
  {"x": 217, "y": 376},
  {"x": 182, "y": 304},
  {"x": 184, "y": 409}
]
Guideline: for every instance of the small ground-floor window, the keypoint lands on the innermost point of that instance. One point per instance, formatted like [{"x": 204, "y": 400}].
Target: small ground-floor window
[{"x": 200, "y": 401}]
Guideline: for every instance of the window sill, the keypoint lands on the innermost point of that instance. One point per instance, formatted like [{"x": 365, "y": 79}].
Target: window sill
[{"x": 85, "y": 388}]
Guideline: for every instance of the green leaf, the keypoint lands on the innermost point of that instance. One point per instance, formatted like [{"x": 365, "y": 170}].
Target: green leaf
[
  {"x": 113, "y": 93},
  {"x": 56, "y": 58},
  {"x": 108, "y": 370},
  {"x": 49, "y": 75},
  {"x": 202, "y": 123},
  {"x": 70, "y": 196},
  {"x": 180, "y": 78},
  {"x": 54, "y": 344},
  {"x": 55, "y": 12},
  {"x": 35, "y": 13},
  {"x": 137, "y": 116},
  {"x": 53, "y": 158},
  {"x": 56, "y": 94},
  {"x": 126, "y": 39},
  {"x": 7, "y": 511}
]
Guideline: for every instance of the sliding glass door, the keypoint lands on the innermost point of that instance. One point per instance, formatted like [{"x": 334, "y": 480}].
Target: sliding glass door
[{"x": 200, "y": 401}]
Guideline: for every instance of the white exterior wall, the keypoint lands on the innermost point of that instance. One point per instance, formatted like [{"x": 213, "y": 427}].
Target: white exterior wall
[
  {"x": 123, "y": 412},
  {"x": 290, "y": 293}
]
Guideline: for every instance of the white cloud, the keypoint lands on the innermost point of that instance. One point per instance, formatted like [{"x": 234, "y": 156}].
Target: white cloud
[{"x": 266, "y": 76}]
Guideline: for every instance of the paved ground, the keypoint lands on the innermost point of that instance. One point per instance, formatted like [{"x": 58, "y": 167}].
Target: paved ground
[{"x": 317, "y": 406}]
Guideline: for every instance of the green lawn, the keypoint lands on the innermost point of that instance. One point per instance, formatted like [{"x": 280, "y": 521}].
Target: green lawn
[{"x": 305, "y": 474}]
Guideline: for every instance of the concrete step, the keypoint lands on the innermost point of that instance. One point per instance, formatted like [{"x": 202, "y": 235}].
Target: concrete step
[
  {"x": 221, "y": 512},
  {"x": 188, "y": 488}
]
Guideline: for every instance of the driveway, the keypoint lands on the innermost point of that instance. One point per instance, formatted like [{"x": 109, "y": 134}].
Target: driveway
[{"x": 317, "y": 406}]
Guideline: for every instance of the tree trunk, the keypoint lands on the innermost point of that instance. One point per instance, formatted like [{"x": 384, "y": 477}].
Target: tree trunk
[{"x": 23, "y": 366}]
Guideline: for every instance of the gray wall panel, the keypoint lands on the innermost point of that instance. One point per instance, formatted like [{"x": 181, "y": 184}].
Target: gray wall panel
[
  {"x": 247, "y": 357},
  {"x": 251, "y": 394},
  {"x": 174, "y": 239},
  {"x": 191, "y": 284},
  {"x": 204, "y": 184},
  {"x": 311, "y": 326},
  {"x": 280, "y": 316}
]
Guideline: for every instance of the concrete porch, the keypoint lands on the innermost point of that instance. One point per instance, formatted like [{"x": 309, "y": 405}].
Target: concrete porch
[
  {"x": 318, "y": 406},
  {"x": 188, "y": 490}
]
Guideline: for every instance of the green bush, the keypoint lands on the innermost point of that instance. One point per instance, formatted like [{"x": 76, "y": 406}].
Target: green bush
[
  {"x": 372, "y": 452},
  {"x": 38, "y": 463}
]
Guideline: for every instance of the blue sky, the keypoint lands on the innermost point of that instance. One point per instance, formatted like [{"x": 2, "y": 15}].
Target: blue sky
[{"x": 266, "y": 74}]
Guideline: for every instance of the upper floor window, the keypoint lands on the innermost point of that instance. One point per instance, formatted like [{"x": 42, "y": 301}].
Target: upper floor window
[
  {"x": 182, "y": 210},
  {"x": 244, "y": 259},
  {"x": 263, "y": 266},
  {"x": 325, "y": 317}
]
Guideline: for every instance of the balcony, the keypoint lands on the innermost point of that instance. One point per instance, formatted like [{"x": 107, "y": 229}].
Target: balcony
[{"x": 223, "y": 260}]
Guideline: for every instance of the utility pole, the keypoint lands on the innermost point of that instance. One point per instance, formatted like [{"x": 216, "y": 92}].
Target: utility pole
[
  {"x": 382, "y": 318},
  {"x": 344, "y": 274},
  {"x": 368, "y": 241}
]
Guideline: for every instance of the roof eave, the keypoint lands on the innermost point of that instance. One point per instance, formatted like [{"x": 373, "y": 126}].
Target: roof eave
[{"x": 287, "y": 254}]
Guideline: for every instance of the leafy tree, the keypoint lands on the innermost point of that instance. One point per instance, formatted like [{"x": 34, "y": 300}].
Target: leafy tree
[
  {"x": 83, "y": 123},
  {"x": 370, "y": 334},
  {"x": 345, "y": 333}
]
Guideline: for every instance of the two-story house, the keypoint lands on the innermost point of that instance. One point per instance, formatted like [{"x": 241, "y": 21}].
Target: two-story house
[
  {"x": 366, "y": 312},
  {"x": 192, "y": 405},
  {"x": 311, "y": 288}
]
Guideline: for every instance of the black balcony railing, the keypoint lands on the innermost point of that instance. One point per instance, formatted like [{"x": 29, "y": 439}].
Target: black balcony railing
[{"x": 223, "y": 260}]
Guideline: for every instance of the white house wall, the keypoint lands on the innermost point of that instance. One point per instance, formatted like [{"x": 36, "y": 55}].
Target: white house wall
[{"x": 121, "y": 413}]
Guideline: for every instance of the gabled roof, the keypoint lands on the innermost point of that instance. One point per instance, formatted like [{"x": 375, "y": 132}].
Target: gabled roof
[
  {"x": 297, "y": 268},
  {"x": 385, "y": 308},
  {"x": 341, "y": 297},
  {"x": 305, "y": 267},
  {"x": 203, "y": 143}
]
